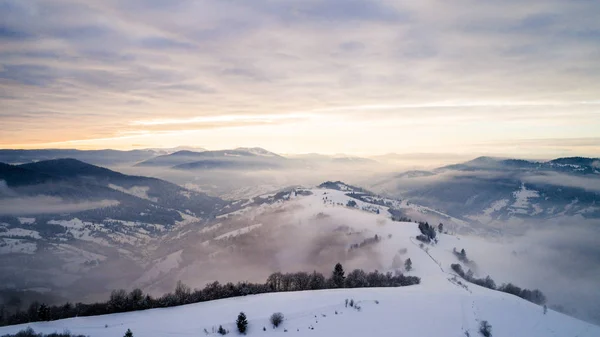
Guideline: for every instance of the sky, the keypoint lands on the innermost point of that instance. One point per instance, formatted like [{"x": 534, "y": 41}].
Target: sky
[{"x": 503, "y": 77}]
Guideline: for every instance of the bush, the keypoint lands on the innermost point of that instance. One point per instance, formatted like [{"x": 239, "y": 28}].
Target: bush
[
  {"x": 242, "y": 323},
  {"x": 222, "y": 331},
  {"x": 485, "y": 329},
  {"x": 128, "y": 333},
  {"x": 276, "y": 319},
  {"x": 461, "y": 256},
  {"x": 29, "y": 332}
]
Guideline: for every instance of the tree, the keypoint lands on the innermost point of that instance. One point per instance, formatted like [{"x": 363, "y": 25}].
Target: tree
[
  {"x": 182, "y": 292},
  {"x": 338, "y": 276},
  {"x": 276, "y": 319},
  {"x": 242, "y": 323},
  {"x": 408, "y": 265},
  {"x": 136, "y": 296},
  {"x": 485, "y": 329},
  {"x": 43, "y": 313},
  {"x": 441, "y": 227},
  {"x": 221, "y": 331},
  {"x": 128, "y": 333},
  {"x": 117, "y": 301},
  {"x": 317, "y": 281},
  {"x": 357, "y": 279}
]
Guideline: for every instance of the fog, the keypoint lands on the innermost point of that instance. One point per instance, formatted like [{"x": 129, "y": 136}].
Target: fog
[
  {"x": 48, "y": 205},
  {"x": 556, "y": 252},
  {"x": 560, "y": 258},
  {"x": 590, "y": 184}
]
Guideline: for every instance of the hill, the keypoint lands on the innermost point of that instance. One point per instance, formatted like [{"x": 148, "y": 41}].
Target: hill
[
  {"x": 493, "y": 192},
  {"x": 442, "y": 305},
  {"x": 66, "y": 224}
]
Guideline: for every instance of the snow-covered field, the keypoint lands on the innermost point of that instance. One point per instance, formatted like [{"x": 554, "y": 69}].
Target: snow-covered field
[{"x": 424, "y": 310}]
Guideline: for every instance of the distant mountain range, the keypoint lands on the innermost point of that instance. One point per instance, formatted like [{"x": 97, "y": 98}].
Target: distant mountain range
[
  {"x": 494, "y": 191},
  {"x": 186, "y": 158},
  {"x": 241, "y": 158}
]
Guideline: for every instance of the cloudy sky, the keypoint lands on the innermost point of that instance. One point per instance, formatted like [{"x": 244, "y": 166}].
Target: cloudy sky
[{"x": 515, "y": 77}]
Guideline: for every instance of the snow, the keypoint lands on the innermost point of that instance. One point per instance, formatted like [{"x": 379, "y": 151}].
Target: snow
[
  {"x": 187, "y": 194},
  {"x": 20, "y": 232},
  {"x": 210, "y": 228},
  {"x": 409, "y": 311},
  {"x": 163, "y": 266},
  {"x": 17, "y": 246},
  {"x": 238, "y": 232},
  {"x": 439, "y": 306},
  {"x": 136, "y": 191},
  {"x": 74, "y": 259},
  {"x": 81, "y": 230},
  {"x": 522, "y": 196},
  {"x": 187, "y": 219},
  {"x": 486, "y": 216},
  {"x": 26, "y": 221}
]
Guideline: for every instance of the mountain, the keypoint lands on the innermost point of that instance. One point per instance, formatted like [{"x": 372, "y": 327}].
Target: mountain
[
  {"x": 241, "y": 158},
  {"x": 294, "y": 229},
  {"x": 75, "y": 223},
  {"x": 96, "y": 157},
  {"x": 496, "y": 191},
  {"x": 311, "y": 229}
]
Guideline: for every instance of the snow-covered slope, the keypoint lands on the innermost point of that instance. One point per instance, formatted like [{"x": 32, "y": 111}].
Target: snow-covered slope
[{"x": 437, "y": 307}]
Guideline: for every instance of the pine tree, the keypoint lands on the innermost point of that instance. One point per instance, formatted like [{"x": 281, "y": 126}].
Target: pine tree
[
  {"x": 128, "y": 333},
  {"x": 43, "y": 312},
  {"x": 242, "y": 323},
  {"x": 408, "y": 265},
  {"x": 338, "y": 276}
]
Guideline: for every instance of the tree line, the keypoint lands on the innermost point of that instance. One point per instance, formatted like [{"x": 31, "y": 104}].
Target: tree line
[
  {"x": 534, "y": 296},
  {"x": 123, "y": 301}
]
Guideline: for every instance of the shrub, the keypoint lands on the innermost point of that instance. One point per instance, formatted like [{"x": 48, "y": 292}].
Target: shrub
[
  {"x": 242, "y": 323},
  {"x": 29, "y": 332},
  {"x": 222, "y": 331},
  {"x": 461, "y": 256},
  {"x": 128, "y": 333},
  {"x": 276, "y": 319},
  {"x": 485, "y": 329}
]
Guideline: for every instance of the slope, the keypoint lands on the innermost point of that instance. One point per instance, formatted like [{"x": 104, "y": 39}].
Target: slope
[{"x": 437, "y": 307}]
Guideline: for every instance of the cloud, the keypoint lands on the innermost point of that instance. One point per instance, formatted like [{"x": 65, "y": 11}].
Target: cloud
[
  {"x": 591, "y": 184},
  {"x": 48, "y": 205},
  {"x": 492, "y": 65},
  {"x": 560, "y": 257}
]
